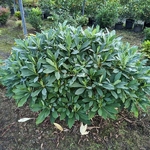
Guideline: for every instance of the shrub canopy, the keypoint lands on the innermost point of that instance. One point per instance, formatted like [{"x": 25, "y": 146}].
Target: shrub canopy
[{"x": 74, "y": 74}]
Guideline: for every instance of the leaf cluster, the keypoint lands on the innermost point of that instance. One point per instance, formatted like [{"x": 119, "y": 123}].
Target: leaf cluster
[
  {"x": 4, "y": 14},
  {"x": 146, "y": 48},
  {"x": 107, "y": 14},
  {"x": 147, "y": 34},
  {"x": 72, "y": 74},
  {"x": 35, "y": 18}
]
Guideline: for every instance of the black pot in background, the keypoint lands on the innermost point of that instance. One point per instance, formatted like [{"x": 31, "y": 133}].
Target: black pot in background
[
  {"x": 45, "y": 14},
  {"x": 129, "y": 23},
  {"x": 146, "y": 24},
  {"x": 119, "y": 26},
  {"x": 138, "y": 28},
  {"x": 12, "y": 11},
  {"x": 91, "y": 21}
]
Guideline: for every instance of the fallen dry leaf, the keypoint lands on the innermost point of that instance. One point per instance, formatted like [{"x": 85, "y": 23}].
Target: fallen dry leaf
[
  {"x": 24, "y": 119},
  {"x": 83, "y": 129},
  {"x": 59, "y": 127}
]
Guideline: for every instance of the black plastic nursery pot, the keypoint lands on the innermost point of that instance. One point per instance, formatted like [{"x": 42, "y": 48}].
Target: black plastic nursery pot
[
  {"x": 12, "y": 11},
  {"x": 138, "y": 28},
  {"x": 119, "y": 26},
  {"x": 146, "y": 24},
  {"x": 129, "y": 23},
  {"x": 91, "y": 21}
]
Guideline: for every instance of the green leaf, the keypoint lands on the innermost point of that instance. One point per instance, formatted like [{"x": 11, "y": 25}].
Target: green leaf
[
  {"x": 26, "y": 72},
  {"x": 75, "y": 52},
  {"x": 44, "y": 92},
  {"x": 95, "y": 108},
  {"x": 50, "y": 62},
  {"x": 114, "y": 94},
  {"x": 99, "y": 91},
  {"x": 68, "y": 40},
  {"x": 52, "y": 119},
  {"x": 100, "y": 112},
  {"x": 116, "y": 82},
  {"x": 111, "y": 109},
  {"x": 108, "y": 86},
  {"x": 104, "y": 113},
  {"x": 71, "y": 121},
  {"x": 122, "y": 85},
  {"x": 91, "y": 114},
  {"x": 62, "y": 115},
  {"x": 36, "y": 107},
  {"x": 62, "y": 47},
  {"x": 49, "y": 70},
  {"x": 41, "y": 117},
  {"x": 127, "y": 103},
  {"x": 90, "y": 93},
  {"x": 85, "y": 44},
  {"x": 77, "y": 116},
  {"x": 76, "y": 84},
  {"x": 57, "y": 75},
  {"x": 23, "y": 100},
  {"x": 36, "y": 93},
  {"x": 134, "y": 109},
  {"x": 80, "y": 91},
  {"x": 36, "y": 79},
  {"x": 118, "y": 76},
  {"x": 54, "y": 114},
  {"x": 143, "y": 106}
]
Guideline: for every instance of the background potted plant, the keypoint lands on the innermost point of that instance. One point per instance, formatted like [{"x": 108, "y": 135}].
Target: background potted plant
[
  {"x": 145, "y": 14},
  {"x": 130, "y": 15},
  {"x": 119, "y": 24},
  {"x": 107, "y": 14},
  {"x": 138, "y": 25},
  {"x": 130, "y": 11}
]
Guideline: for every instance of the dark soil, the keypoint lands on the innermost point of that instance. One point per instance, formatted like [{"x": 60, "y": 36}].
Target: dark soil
[{"x": 126, "y": 133}]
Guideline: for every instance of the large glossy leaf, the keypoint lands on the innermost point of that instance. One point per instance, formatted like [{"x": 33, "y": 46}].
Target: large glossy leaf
[
  {"x": 43, "y": 114},
  {"x": 26, "y": 72},
  {"x": 108, "y": 86},
  {"x": 71, "y": 122},
  {"x": 80, "y": 91},
  {"x": 23, "y": 100}
]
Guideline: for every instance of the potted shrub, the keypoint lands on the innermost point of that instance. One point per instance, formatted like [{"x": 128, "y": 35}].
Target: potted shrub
[
  {"x": 71, "y": 74},
  {"x": 145, "y": 14},
  {"x": 138, "y": 26},
  {"x": 119, "y": 24},
  {"x": 46, "y": 7},
  {"x": 131, "y": 11},
  {"x": 107, "y": 14}
]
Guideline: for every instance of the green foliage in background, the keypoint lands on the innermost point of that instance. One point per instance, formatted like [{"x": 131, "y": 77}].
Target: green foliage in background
[
  {"x": 17, "y": 15},
  {"x": 35, "y": 18},
  {"x": 82, "y": 20},
  {"x": 59, "y": 17},
  {"x": 71, "y": 74},
  {"x": 147, "y": 34},
  {"x": 107, "y": 14},
  {"x": 4, "y": 14},
  {"x": 146, "y": 48},
  {"x": 30, "y": 3}
]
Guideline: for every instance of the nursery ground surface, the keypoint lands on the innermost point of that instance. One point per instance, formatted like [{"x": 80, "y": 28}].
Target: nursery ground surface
[{"x": 125, "y": 133}]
